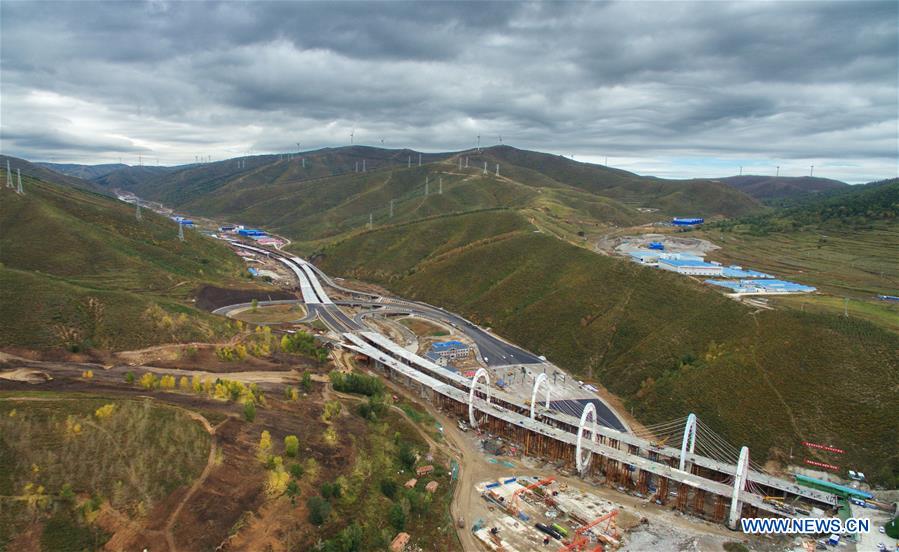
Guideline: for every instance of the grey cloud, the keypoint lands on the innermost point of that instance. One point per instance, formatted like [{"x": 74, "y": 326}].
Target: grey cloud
[{"x": 706, "y": 79}]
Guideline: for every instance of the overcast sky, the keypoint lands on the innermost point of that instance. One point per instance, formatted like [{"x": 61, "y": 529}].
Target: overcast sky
[{"x": 671, "y": 89}]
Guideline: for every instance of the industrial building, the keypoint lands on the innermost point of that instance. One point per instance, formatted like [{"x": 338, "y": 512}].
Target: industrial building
[
  {"x": 649, "y": 257},
  {"x": 251, "y": 232},
  {"x": 735, "y": 271},
  {"x": 761, "y": 286},
  {"x": 690, "y": 267}
]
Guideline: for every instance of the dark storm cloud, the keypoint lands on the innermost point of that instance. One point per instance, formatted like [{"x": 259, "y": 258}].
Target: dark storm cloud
[{"x": 654, "y": 81}]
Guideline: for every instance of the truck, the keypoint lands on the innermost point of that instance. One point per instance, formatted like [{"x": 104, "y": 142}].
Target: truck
[{"x": 834, "y": 540}]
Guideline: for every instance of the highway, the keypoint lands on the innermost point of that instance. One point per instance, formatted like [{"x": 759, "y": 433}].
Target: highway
[
  {"x": 563, "y": 426},
  {"x": 492, "y": 350}
]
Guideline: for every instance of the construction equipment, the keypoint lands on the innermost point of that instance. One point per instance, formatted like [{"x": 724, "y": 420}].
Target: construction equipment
[
  {"x": 608, "y": 534},
  {"x": 513, "y": 504}
]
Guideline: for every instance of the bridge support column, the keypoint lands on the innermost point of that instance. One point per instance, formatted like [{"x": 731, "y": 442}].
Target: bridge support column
[
  {"x": 689, "y": 439},
  {"x": 739, "y": 482}
]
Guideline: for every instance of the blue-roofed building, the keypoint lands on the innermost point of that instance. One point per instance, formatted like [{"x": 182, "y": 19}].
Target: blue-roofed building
[
  {"x": 761, "y": 286},
  {"x": 251, "y": 232},
  {"x": 683, "y": 221},
  {"x": 659, "y": 246},
  {"x": 690, "y": 267},
  {"x": 740, "y": 272},
  {"x": 450, "y": 350}
]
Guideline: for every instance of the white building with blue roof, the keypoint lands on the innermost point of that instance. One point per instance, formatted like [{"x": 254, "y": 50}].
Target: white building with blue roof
[{"x": 691, "y": 267}]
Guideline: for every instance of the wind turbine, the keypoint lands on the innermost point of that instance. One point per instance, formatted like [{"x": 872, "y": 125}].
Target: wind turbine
[{"x": 352, "y": 136}]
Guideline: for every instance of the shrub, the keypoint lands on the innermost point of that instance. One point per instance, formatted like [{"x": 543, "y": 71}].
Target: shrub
[
  {"x": 319, "y": 509},
  {"x": 331, "y": 490},
  {"x": 397, "y": 517},
  {"x": 87, "y": 374},
  {"x": 356, "y": 383},
  {"x": 249, "y": 410},
  {"x": 264, "y": 450},
  {"x": 104, "y": 411},
  {"x": 306, "y": 381},
  {"x": 291, "y": 445},
  {"x": 129, "y": 378},
  {"x": 388, "y": 488},
  {"x": 296, "y": 470},
  {"x": 148, "y": 381}
]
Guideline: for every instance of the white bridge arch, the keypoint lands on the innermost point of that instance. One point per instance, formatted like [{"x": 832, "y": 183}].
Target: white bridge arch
[
  {"x": 541, "y": 379},
  {"x": 481, "y": 373},
  {"x": 583, "y": 463}
]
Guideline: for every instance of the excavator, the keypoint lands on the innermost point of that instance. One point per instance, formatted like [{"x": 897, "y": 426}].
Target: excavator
[{"x": 609, "y": 535}]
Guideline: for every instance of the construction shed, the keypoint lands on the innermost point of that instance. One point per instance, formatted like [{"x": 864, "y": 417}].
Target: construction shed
[
  {"x": 399, "y": 542},
  {"x": 842, "y": 490}
]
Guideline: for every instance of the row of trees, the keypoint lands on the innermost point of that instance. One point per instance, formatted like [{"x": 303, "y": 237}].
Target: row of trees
[{"x": 356, "y": 383}]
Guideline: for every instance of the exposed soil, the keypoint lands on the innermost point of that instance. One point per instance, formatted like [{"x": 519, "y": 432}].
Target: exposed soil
[{"x": 210, "y": 297}]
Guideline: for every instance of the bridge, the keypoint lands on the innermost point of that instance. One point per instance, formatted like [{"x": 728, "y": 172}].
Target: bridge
[{"x": 706, "y": 475}]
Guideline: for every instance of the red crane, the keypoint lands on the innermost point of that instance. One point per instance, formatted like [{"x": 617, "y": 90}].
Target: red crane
[
  {"x": 532, "y": 486},
  {"x": 579, "y": 541}
]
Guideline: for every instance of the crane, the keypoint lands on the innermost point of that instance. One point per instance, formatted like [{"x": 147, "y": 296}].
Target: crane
[
  {"x": 579, "y": 542},
  {"x": 532, "y": 486}
]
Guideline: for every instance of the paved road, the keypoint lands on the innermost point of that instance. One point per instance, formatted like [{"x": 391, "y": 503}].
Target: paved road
[{"x": 493, "y": 350}]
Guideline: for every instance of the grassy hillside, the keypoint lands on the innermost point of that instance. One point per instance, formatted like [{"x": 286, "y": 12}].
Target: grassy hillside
[
  {"x": 696, "y": 197},
  {"x": 79, "y": 270},
  {"x": 665, "y": 344},
  {"x": 41, "y": 172},
  {"x": 328, "y": 197},
  {"x": 771, "y": 188},
  {"x": 843, "y": 242},
  {"x": 84, "y": 172}
]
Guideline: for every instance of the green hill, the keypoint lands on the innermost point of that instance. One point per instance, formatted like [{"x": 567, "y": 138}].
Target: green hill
[
  {"x": 768, "y": 379},
  {"x": 696, "y": 197},
  {"x": 776, "y": 188},
  {"x": 330, "y": 195},
  {"x": 77, "y": 270},
  {"x": 843, "y": 242}
]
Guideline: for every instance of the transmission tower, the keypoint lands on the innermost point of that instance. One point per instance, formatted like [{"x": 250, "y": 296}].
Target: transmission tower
[
  {"x": 180, "y": 231},
  {"x": 19, "y": 175},
  {"x": 137, "y": 214}
]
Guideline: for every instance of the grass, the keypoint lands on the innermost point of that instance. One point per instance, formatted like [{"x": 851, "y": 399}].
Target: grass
[
  {"x": 80, "y": 271},
  {"x": 271, "y": 314},
  {"x": 882, "y": 313},
  {"x": 837, "y": 259},
  {"x": 665, "y": 344},
  {"x": 132, "y": 458}
]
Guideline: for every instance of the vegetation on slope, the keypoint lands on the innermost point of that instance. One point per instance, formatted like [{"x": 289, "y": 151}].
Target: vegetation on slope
[
  {"x": 78, "y": 270},
  {"x": 777, "y": 188},
  {"x": 668, "y": 346},
  {"x": 60, "y": 459},
  {"x": 842, "y": 242},
  {"x": 696, "y": 197}
]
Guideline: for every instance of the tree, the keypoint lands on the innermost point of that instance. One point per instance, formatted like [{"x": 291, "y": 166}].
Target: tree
[
  {"x": 254, "y": 304},
  {"x": 388, "y": 487},
  {"x": 148, "y": 381},
  {"x": 129, "y": 378},
  {"x": 319, "y": 509},
  {"x": 306, "y": 382},
  {"x": 249, "y": 410},
  {"x": 184, "y": 383},
  {"x": 397, "y": 517},
  {"x": 296, "y": 470},
  {"x": 291, "y": 445},
  {"x": 264, "y": 449}
]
